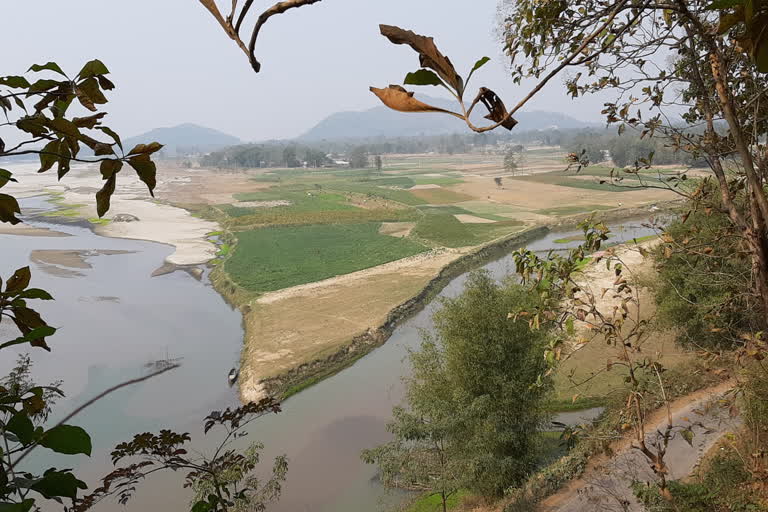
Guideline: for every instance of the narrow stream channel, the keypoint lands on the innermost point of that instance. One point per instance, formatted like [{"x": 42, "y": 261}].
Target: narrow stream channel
[{"x": 114, "y": 319}]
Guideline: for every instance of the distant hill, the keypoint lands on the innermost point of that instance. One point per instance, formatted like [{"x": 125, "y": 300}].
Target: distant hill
[
  {"x": 381, "y": 121},
  {"x": 185, "y": 138}
]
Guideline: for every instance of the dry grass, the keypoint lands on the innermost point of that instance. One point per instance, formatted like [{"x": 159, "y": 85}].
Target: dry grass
[{"x": 294, "y": 326}]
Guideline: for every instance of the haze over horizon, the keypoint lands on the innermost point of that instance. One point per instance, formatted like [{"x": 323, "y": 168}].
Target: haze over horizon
[{"x": 172, "y": 63}]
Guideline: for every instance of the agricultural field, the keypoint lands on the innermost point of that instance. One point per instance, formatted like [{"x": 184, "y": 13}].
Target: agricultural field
[
  {"x": 280, "y": 257},
  {"x": 346, "y": 246}
]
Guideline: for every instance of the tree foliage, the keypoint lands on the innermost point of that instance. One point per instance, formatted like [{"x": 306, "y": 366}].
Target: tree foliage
[
  {"x": 48, "y": 128},
  {"x": 473, "y": 404},
  {"x": 704, "y": 289}
]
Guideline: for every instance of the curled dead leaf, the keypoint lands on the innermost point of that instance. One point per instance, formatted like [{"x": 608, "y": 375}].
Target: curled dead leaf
[
  {"x": 497, "y": 111},
  {"x": 397, "y": 98},
  {"x": 429, "y": 56}
]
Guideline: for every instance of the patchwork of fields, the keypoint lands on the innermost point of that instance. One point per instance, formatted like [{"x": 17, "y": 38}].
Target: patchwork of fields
[{"x": 286, "y": 229}]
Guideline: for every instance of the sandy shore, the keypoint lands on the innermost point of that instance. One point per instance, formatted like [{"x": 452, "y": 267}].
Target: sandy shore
[{"x": 157, "y": 222}]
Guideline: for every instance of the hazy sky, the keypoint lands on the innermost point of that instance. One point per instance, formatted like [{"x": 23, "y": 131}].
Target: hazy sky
[{"x": 172, "y": 63}]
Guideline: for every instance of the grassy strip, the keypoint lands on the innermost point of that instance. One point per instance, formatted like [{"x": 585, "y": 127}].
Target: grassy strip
[
  {"x": 572, "y": 210},
  {"x": 274, "y": 217},
  {"x": 433, "y": 502}
]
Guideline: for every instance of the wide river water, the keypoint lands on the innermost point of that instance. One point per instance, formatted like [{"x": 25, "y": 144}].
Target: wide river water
[{"x": 114, "y": 319}]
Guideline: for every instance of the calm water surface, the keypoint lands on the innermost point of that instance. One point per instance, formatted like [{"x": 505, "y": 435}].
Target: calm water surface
[{"x": 102, "y": 342}]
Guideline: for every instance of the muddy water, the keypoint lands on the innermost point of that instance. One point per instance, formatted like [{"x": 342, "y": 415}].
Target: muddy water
[{"x": 115, "y": 318}]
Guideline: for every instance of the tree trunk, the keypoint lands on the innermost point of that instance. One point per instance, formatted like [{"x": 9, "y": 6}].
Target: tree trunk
[{"x": 756, "y": 196}]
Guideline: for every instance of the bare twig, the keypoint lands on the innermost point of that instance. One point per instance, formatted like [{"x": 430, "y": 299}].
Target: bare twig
[
  {"x": 233, "y": 30},
  {"x": 93, "y": 401}
]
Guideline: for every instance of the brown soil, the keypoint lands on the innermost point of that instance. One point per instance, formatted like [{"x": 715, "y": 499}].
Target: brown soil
[
  {"x": 540, "y": 196},
  {"x": 397, "y": 229},
  {"x": 289, "y": 327},
  {"x": 202, "y": 186}
]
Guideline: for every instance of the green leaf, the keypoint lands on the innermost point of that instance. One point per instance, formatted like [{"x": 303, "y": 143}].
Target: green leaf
[
  {"x": 687, "y": 436},
  {"x": 42, "y": 85},
  {"x": 35, "y": 336},
  {"x": 110, "y": 167},
  {"x": 112, "y": 134},
  {"x": 67, "y": 439},
  {"x": 22, "y": 426},
  {"x": 35, "y": 293},
  {"x": 93, "y": 68},
  {"x": 105, "y": 83},
  {"x": 423, "y": 77},
  {"x": 18, "y": 281},
  {"x": 570, "y": 329},
  {"x": 49, "y": 155},
  {"x": 14, "y": 82},
  {"x": 146, "y": 169},
  {"x": 202, "y": 506},
  {"x": 24, "y": 506},
  {"x": 58, "y": 484},
  {"x": 104, "y": 195},
  {"x": 64, "y": 160},
  {"x": 5, "y": 177},
  {"x": 51, "y": 66},
  {"x": 89, "y": 122},
  {"x": 480, "y": 63},
  {"x": 90, "y": 88},
  {"x": 35, "y": 125},
  {"x": 9, "y": 207}
]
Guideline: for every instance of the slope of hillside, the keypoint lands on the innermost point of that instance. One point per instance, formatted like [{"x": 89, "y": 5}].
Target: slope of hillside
[
  {"x": 185, "y": 137},
  {"x": 381, "y": 121}
]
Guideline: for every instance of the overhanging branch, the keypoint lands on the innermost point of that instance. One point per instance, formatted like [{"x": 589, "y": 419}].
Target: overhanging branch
[{"x": 232, "y": 28}]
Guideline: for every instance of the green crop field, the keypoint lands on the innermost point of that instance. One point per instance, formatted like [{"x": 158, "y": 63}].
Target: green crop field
[
  {"x": 572, "y": 210},
  {"x": 274, "y": 258},
  {"x": 440, "y": 196},
  {"x": 445, "y": 230},
  {"x": 434, "y": 180}
]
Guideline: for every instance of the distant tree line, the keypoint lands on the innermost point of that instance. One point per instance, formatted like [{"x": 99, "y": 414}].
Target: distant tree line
[{"x": 624, "y": 150}]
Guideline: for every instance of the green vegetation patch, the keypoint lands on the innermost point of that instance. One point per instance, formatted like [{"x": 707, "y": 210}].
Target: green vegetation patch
[
  {"x": 303, "y": 198},
  {"x": 287, "y": 217},
  {"x": 371, "y": 189},
  {"x": 434, "y": 503},
  {"x": 573, "y": 210},
  {"x": 434, "y": 180},
  {"x": 445, "y": 230},
  {"x": 274, "y": 258},
  {"x": 441, "y": 196}
]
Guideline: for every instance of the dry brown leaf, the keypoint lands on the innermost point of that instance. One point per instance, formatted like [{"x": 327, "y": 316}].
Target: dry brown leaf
[
  {"x": 397, "y": 98},
  {"x": 429, "y": 56},
  {"x": 497, "y": 110}
]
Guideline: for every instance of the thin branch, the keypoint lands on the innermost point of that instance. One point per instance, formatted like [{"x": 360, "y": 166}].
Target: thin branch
[{"x": 93, "y": 401}]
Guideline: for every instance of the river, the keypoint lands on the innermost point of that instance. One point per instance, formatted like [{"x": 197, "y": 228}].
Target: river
[{"x": 114, "y": 319}]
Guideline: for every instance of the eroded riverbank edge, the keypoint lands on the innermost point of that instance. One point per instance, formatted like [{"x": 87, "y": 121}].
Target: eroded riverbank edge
[{"x": 290, "y": 382}]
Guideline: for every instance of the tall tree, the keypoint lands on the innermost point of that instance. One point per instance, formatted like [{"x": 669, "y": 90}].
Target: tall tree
[
  {"x": 476, "y": 400},
  {"x": 715, "y": 53}
]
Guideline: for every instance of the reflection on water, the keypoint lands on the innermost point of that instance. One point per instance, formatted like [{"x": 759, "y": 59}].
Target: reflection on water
[{"x": 116, "y": 318}]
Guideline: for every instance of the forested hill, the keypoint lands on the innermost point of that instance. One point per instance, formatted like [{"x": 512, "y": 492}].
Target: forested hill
[
  {"x": 381, "y": 121},
  {"x": 186, "y": 138}
]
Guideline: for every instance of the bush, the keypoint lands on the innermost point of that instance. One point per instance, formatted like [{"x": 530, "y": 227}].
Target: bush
[
  {"x": 704, "y": 286},
  {"x": 718, "y": 489}
]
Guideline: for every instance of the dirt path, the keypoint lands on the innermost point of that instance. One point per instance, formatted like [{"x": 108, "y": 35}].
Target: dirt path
[{"x": 605, "y": 486}]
